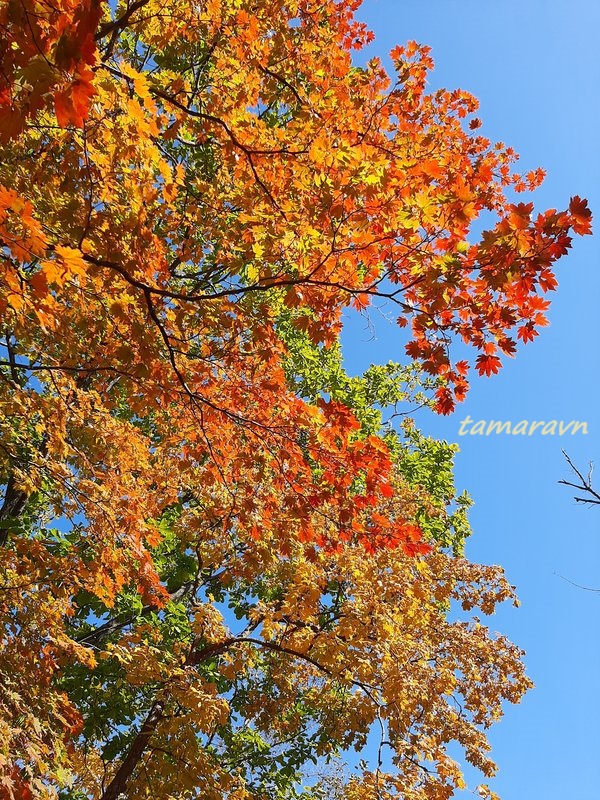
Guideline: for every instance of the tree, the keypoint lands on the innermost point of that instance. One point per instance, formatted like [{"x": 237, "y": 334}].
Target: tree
[{"x": 190, "y": 196}]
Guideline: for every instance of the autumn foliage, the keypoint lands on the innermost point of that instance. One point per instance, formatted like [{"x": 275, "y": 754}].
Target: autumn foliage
[{"x": 191, "y": 194}]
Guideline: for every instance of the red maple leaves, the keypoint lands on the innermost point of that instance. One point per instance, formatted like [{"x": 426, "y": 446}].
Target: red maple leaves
[{"x": 48, "y": 62}]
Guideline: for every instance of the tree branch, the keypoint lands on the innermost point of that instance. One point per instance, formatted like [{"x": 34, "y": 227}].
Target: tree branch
[
  {"x": 591, "y": 495},
  {"x": 121, "y": 22},
  {"x": 118, "y": 784},
  {"x": 92, "y": 638}
]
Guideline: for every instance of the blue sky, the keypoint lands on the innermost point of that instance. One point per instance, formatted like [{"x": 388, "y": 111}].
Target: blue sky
[{"x": 535, "y": 68}]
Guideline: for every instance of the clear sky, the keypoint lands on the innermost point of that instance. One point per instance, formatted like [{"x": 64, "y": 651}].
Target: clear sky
[{"x": 535, "y": 67}]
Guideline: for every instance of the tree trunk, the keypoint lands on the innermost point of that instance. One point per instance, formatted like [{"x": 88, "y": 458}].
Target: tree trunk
[
  {"x": 13, "y": 505},
  {"x": 118, "y": 785}
]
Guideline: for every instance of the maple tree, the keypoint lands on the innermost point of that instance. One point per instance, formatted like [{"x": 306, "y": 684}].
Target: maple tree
[{"x": 191, "y": 194}]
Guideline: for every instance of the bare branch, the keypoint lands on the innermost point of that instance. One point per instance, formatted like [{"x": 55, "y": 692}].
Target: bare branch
[{"x": 591, "y": 496}]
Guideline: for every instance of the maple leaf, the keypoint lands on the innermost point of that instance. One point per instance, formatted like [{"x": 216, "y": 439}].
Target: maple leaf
[
  {"x": 581, "y": 215},
  {"x": 487, "y": 364},
  {"x": 445, "y": 403},
  {"x": 527, "y": 333},
  {"x": 72, "y": 103},
  {"x": 82, "y": 91},
  {"x": 507, "y": 346}
]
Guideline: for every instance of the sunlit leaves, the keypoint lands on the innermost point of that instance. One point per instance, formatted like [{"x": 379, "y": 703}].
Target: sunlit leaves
[{"x": 48, "y": 51}]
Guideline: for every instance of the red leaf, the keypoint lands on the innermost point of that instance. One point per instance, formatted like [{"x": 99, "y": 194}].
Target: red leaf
[
  {"x": 507, "y": 346},
  {"x": 444, "y": 403},
  {"x": 487, "y": 365},
  {"x": 527, "y": 333},
  {"x": 581, "y": 215},
  {"x": 63, "y": 108}
]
